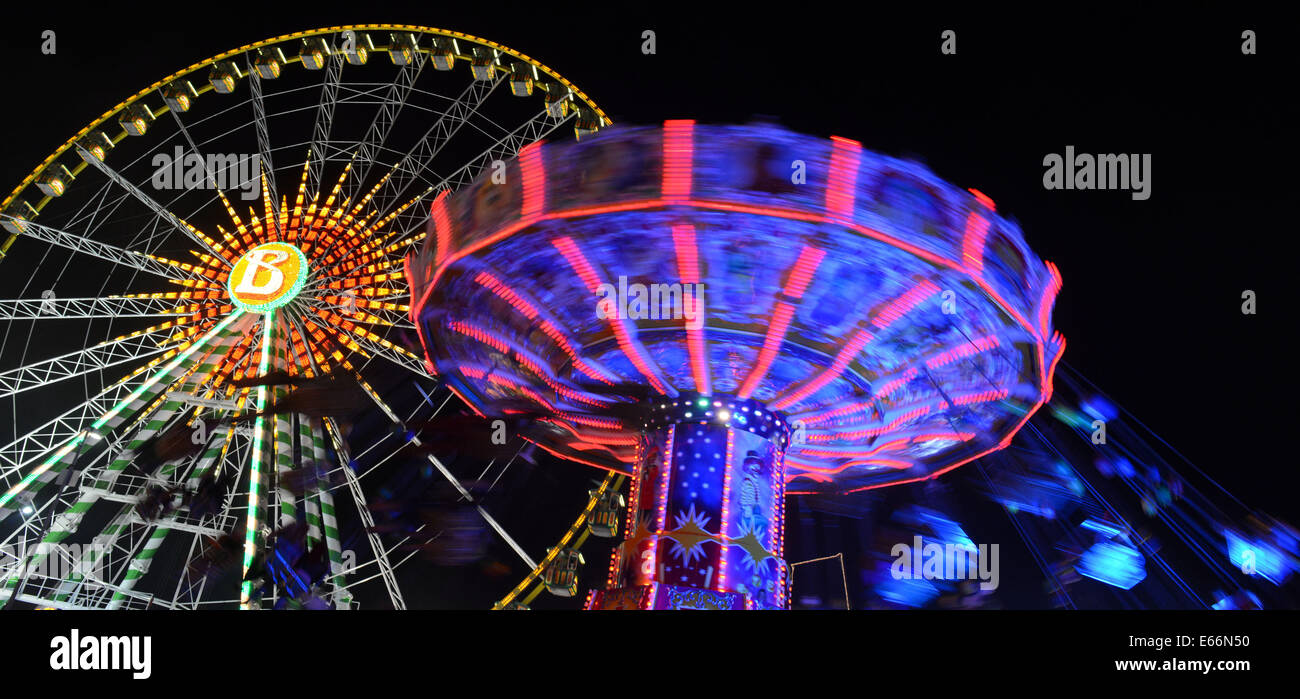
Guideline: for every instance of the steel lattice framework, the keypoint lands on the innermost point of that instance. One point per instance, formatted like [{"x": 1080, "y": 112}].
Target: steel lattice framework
[{"x": 68, "y": 485}]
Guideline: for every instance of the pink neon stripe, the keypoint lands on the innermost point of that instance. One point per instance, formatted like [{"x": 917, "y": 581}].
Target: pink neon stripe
[
  {"x": 470, "y": 371},
  {"x": 605, "y": 440},
  {"x": 788, "y": 214},
  {"x": 982, "y": 397},
  {"x": 778, "y": 498},
  {"x": 634, "y": 501},
  {"x": 606, "y": 423},
  {"x": 441, "y": 220},
  {"x": 886, "y": 317},
  {"x": 1005, "y": 440},
  {"x": 497, "y": 287},
  {"x": 897, "y": 383},
  {"x": 577, "y": 460},
  {"x": 883, "y": 461},
  {"x": 462, "y": 397},
  {"x": 589, "y": 446},
  {"x": 688, "y": 264},
  {"x": 812, "y": 471},
  {"x": 534, "y": 175},
  {"x": 726, "y": 511},
  {"x": 804, "y": 268},
  {"x": 688, "y": 268},
  {"x": 578, "y": 262},
  {"x": 414, "y": 312},
  {"x": 1049, "y": 374},
  {"x": 587, "y": 273},
  {"x": 942, "y": 358},
  {"x": 523, "y": 306},
  {"x": 983, "y": 198},
  {"x": 842, "y": 181},
  {"x": 528, "y": 362},
  {"x": 500, "y": 380},
  {"x": 949, "y": 436},
  {"x": 1049, "y": 297},
  {"x": 480, "y": 335},
  {"x": 810, "y": 475},
  {"x": 1001, "y": 445},
  {"x": 771, "y": 345},
  {"x": 633, "y": 352},
  {"x": 854, "y": 435},
  {"x": 982, "y": 344},
  {"x": 972, "y": 242},
  {"x": 496, "y": 378},
  {"x": 661, "y": 495},
  {"x": 841, "y": 411},
  {"x": 838, "y": 365},
  {"x": 678, "y": 158},
  {"x": 903, "y": 304},
  {"x": 850, "y": 452},
  {"x": 801, "y": 276}
]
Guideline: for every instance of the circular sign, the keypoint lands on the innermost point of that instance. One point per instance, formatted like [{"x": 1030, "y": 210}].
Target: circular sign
[{"x": 267, "y": 277}]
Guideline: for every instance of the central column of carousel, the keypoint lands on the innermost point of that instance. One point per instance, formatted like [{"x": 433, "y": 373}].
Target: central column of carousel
[{"x": 706, "y": 516}]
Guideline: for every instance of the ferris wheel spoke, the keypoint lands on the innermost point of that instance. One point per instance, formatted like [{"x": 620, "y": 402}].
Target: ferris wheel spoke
[
  {"x": 538, "y": 127},
  {"x": 24, "y": 538},
  {"x": 189, "y": 587},
  {"x": 104, "y": 251},
  {"x": 437, "y": 409},
  {"x": 367, "y": 519},
  {"x": 454, "y": 482},
  {"x": 316, "y": 155},
  {"x": 128, "y": 348},
  {"x": 21, "y": 452},
  {"x": 86, "y": 308},
  {"x": 362, "y": 310},
  {"x": 208, "y": 176},
  {"x": 168, "y": 409},
  {"x": 420, "y": 158},
  {"x": 162, "y": 213},
  {"x": 328, "y": 524},
  {"x": 393, "y": 100},
  {"x": 129, "y": 409},
  {"x": 390, "y": 253},
  {"x": 142, "y": 536},
  {"x": 394, "y": 354},
  {"x": 535, "y": 129},
  {"x": 264, "y": 147},
  {"x": 105, "y": 576},
  {"x": 143, "y": 539},
  {"x": 138, "y": 566},
  {"x": 359, "y": 338},
  {"x": 235, "y": 455},
  {"x": 104, "y": 554},
  {"x": 394, "y": 547}
]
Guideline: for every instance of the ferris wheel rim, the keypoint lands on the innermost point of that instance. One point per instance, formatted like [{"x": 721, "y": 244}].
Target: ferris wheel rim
[{"x": 71, "y": 143}]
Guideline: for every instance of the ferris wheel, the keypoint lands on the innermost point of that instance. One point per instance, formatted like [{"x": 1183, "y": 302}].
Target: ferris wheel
[{"x": 245, "y": 217}]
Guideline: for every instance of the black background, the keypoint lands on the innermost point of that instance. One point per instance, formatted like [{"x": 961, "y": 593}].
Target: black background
[{"x": 1152, "y": 295}]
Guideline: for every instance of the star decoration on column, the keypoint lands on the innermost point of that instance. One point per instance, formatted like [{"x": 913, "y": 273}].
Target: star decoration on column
[
  {"x": 689, "y": 536},
  {"x": 752, "y": 546}
]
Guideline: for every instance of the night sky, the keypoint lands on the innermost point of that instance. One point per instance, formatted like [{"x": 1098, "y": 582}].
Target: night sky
[{"x": 1152, "y": 293}]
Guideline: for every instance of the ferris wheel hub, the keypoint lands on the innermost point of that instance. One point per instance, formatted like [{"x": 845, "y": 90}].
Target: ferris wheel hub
[{"x": 268, "y": 277}]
